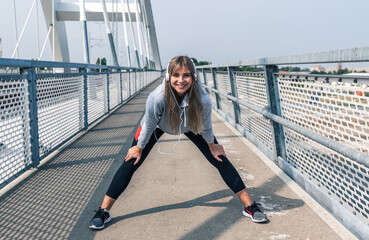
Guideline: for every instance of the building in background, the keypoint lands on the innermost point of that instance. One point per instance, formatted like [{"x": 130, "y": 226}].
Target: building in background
[
  {"x": 339, "y": 66},
  {"x": 317, "y": 68}
]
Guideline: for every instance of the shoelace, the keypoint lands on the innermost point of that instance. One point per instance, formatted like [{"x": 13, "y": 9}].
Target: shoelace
[
  {"x": 100, "y": 213},
  {"x": 255, "y": 207}
]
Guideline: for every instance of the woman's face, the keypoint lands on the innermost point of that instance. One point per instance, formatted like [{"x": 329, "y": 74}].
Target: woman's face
[{"x": 181, "y": 81}]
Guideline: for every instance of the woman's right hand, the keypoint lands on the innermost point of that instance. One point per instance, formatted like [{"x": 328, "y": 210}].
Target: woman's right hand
[{"x": 134, "y": 152}]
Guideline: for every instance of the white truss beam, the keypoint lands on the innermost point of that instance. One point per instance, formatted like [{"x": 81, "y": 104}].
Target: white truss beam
[{"x": 69, "y": 11}]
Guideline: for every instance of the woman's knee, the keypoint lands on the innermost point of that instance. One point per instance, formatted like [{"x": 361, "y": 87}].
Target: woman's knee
[
  {"x": 128, "y": 166},
  {"x": 224, "y": 164}
]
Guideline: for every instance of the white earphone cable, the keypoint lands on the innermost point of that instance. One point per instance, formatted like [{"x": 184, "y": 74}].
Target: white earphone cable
[{"x": 183, "y": 121}]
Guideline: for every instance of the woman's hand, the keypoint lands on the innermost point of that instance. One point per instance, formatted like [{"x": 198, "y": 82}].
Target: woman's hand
[
  {"x": 134, "y": 152},
  {"x": 217, "y": 150}
]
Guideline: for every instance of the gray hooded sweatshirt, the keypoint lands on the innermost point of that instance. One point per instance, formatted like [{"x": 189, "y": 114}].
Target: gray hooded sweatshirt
[{"x": 156, "y": 115}]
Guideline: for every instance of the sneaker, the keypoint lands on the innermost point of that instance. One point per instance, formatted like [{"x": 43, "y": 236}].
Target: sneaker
[
  {"x": 101, "y": 217},
  {"x": 253, "y": 211}
]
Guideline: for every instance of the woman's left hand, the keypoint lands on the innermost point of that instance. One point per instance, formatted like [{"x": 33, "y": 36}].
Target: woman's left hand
[
  {"x": 134, "y": 153},
  {"x": 217, "y": 150}
]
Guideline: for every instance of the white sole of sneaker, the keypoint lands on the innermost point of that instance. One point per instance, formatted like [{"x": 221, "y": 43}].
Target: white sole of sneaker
[
  {"x": 254, "y": 220},
  {"x": 98, "y": 228}
]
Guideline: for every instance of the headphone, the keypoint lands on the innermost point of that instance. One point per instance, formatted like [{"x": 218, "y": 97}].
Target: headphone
[{"x": 167, "y": 76}]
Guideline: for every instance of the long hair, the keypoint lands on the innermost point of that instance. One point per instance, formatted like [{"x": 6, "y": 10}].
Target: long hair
[{"x": 195, "y": 108}]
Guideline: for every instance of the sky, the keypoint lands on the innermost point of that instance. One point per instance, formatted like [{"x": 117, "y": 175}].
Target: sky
[{"x": 213, "y": 30}]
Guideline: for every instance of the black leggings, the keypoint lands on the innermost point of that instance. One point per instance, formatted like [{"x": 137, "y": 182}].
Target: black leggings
[{"x": 125, "y": 172}]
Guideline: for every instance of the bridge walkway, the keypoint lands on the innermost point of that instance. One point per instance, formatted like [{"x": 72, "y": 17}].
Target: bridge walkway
[{"x": 178, "y": 196}]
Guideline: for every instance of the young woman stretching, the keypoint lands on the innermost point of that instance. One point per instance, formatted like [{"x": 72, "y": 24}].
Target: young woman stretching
[{"x": 178, "y": 105}]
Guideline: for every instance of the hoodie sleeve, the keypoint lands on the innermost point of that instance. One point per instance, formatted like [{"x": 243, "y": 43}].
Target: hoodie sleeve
[
  {"x": 207, "y": 134},
  {"x": 153, "y": 112}
]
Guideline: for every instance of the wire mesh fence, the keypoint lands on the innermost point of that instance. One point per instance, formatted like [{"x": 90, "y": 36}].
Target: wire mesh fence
[
  {"x": 97, "y": 96},
  {"x": 114, "y": 89},
  {"x": 63, "y": 105},
  {"x": 59, "y": 109},
  {"x": 15, "y": 142},
  {"x": 337, "y": 112},
  {"x": 252, "y": 88}
]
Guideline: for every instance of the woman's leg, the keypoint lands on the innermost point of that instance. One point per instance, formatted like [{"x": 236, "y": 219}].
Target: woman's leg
[
  {"x": 225, "y": 168},
  {"x": 124, "y": 174}
]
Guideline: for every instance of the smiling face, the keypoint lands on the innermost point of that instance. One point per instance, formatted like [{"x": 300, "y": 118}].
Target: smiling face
[{"x": 181, "y": 80}]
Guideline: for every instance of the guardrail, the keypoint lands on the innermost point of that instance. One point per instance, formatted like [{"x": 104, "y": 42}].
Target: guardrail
[
  {"x": 314, "y": 127},
  {"x": 41, "y": 110}
]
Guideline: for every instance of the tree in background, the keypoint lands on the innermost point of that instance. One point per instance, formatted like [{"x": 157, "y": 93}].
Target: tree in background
[
  {"x": 200, "y": 63},
  {"x": 318, "y": 72},
  {"x": 250, "y": 69},
  {"x": 343, "y": 71},
  {"x": 195, "y": 61},
  {"x": 101, "y": 61},
  {"x": 292, "y": 69}
]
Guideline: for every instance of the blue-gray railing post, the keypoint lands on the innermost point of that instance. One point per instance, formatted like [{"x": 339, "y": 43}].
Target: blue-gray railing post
[
  {"x": 32, "y": 89},
  {"x": 129, "y": 83},
  {"x": 205, "y": 80},
  {"x": 217, "y": 97},
  {"x": 234, "y": 92},
  {"x": 107, "y": 88},
  {"x": 138, "y": 79},
  {"x": 144, "y": 77},
  {"x": 120, "y": 86},
  {"x": 275, "y": 108},
  {"x": 135, "y": 81},
  {"x": 85, "y": 97}
]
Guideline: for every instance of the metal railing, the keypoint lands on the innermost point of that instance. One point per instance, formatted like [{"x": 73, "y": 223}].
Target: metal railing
[
  {"x": 41, "y": 110},
  {"x": 314, "y": 127}
]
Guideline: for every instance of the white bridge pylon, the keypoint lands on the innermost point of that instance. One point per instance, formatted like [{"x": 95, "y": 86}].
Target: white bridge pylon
[{"x": 57, "y": 12}]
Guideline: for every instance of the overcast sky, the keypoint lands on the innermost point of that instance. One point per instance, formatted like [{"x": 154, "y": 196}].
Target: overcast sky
[{"x": 214, "y": 30}]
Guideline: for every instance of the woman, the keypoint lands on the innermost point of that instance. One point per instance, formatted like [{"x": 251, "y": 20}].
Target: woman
[{"x": 178, "y": 105}]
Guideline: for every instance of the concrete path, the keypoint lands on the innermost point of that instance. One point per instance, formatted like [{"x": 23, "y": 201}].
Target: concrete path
[{"x": 179, "y": 196}]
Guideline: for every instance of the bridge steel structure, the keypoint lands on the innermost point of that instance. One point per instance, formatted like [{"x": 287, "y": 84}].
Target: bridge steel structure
[
  {"x": 314, "y": 127},
  {"x": 57, "y": 12}
]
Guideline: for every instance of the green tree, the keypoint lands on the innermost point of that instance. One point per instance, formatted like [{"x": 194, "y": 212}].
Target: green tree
[
  {"x": 200, "y": 63},
  {"x": 343, "y": 71},
  {"x": 101, "y": 61},
  {"x": 290, "y": 69},
  {"x": 195, "y": 61},
  {"x": 318, "y": 72},
  {"x": 251, "y": 69}
]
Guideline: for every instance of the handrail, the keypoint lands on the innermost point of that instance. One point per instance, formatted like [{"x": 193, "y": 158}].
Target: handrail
[
  {"x": 334, "y": 56},
  {"x": 9, "y": 62}
]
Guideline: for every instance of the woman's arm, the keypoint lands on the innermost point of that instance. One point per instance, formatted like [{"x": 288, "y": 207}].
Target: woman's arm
[
  {"x": 215, "y": 149},
  {"x": 154, "y": 109},
  {"x": 207, "y": 133}
]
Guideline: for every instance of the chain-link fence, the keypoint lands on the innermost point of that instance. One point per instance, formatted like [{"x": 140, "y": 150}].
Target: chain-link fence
[{"x": 40, "y": 112}]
